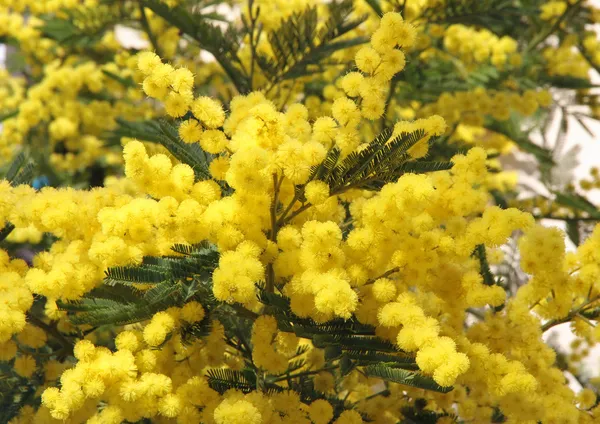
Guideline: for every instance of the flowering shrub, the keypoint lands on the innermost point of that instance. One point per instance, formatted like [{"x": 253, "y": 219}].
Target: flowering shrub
[{"x": 313, "y": 225}]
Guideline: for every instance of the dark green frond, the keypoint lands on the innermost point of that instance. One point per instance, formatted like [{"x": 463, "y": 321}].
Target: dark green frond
[
  {"x": 492, "y": 14},
  {"x": 223, "y": 45},
  {"x": 300, "y": 44},
  {"x": 512, "y": 130},
  {"x": 81, "y": 27},
  {"x": 222, "y": 379},
  {"x": 20, "y": 170},
  {"x": 295, "y": 365},
  {"x": 8, "y": 115},
  {"x": 384, "y": 160},
  {"x": 577, "y": 202},
  {"x": 408, "y": 378},
  {"x": 160, "y": 297},
  {"x": 422, "y": 167},
  {"x": 325, "y": 168},
  {"x": 198, "y": 249},
  {"x": 362, "y": 358},
  {"x": 15, "y": 166},
  {"x": 141, "y": 130},
  {"x": 133, "y": 274},
  {"x": 24, "y": 176},
  {"x": 190, "y": 154},
  {"x": 5, "y": 232},
  {"x": 117, "y": 292},
  {"x": 353, "y": 342},
  {"x": 190, "y": 332},
  {"x": 14, "y": 394}
]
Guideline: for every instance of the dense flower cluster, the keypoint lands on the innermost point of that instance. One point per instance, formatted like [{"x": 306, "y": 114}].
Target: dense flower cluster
[{"x": 302, "y": 217}]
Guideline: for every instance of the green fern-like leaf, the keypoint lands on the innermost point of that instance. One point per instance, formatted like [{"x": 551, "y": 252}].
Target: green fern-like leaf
[
  {"x": 5, "y": 232},
  {"x": 82, "y": 27},
  {"x": 222, "y": 379},
  {"x": 223, "y": 45},
  {"x": 20, "y": 170},
  {"x": 512, "y": 130},
  {"x": 577, "y": 202},
  {"x": 362, "y": 358},
  {"x": 15, "y": 166},
  {"x": 132, "y": 274},
  {"x": 422, "y": 167},
  {"x": 8, "y": 115},
  {"x": 193, "y": 331},
  {"x": 141, "y": 130},
  {"x": 117, "y": 292},
  {"x": 325, "y": 168},
  {"x": 190, "y": 154},
  {"x": 353, "y": 342},
  {"x": 492, "y": 14},
  {"x": 103, "y": 311},
  {"x": 300, "y": 43},
  {"x": 408, "y": 378},
  {"x": 384, "y": 160}
]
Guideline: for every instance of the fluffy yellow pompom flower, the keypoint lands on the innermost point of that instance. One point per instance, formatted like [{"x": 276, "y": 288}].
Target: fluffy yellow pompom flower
[
  {"x": 367, "y": 59},
  {"x": 289, "y": 238},
  {"x": 159, "y": 327},
  {"x": 170, "y": 405},
  {"x": 147, "y": 62},
  {"x": 177, "y": 104},
  {"x": 218, "y": 167},
  {"x": 213, "y": 141},
  {"x": 190, "y": 131},
  {"x": 349, "y": 417},
  {"x": 320, "y": 411},
  {"x": 586, "y": 398},
  {"x": 182, "y": 80},
  {"x": 238, "y": 412},
  {"x": 8, "y": 350},
  {"x": 208, "y": 111},
  {"x": 351, "y": 83},
  {"x": 84, "y": 350},
  {"x": 384, "y": 290},
  {"x": 127, "y": 340},
  {"x": 24, "y": 366},
  {"x": 192, "y": 312},
  {"x": 316, "y": 192}
]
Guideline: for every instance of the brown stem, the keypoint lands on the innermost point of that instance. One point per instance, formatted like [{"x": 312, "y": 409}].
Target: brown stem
[
  {"x": 67, "y": 345},
  {"x": 572, "y": 314},
  {"x": 385, "y": 274},
  {"x": 270, "y": 279}
]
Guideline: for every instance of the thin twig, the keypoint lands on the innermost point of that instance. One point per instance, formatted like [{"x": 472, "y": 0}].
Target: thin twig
[
  {"x": 570, "y": 316},
  {"x": 385, "y": 274},
  {"x": 543, "y": 36},
  {"x": 304, "y": 373},
  {"x": 67, "y": 345},
  {"x": 270, "y": 273}
]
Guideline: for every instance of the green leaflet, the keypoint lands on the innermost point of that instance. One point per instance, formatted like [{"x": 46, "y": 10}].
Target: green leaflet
[
  {"x": 174, "y": 280},
  {"x": 383, "y": 161},
  {"x": 223, "y": 45},
  {"x": 300, "y": 44},
  {"x": 408, "y": 378},
  {"x": 577, "y": 202}
]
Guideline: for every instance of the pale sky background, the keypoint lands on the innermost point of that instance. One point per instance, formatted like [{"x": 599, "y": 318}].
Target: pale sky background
[{"x": 587, "y": 157}]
